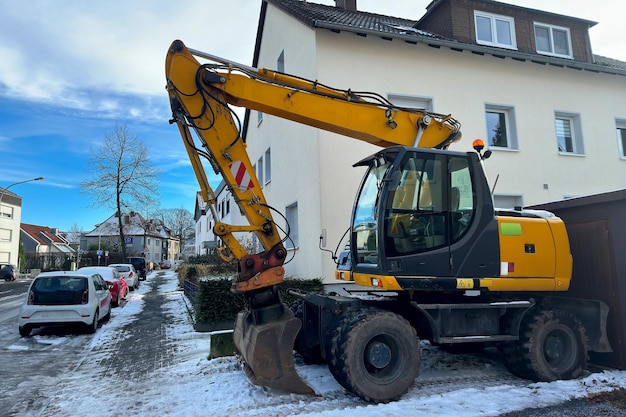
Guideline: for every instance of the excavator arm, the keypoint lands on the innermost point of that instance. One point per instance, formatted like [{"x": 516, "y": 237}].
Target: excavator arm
[{"x": 201, "y": 95}]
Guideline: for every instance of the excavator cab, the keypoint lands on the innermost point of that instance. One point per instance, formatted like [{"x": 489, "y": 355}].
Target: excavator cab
[{"x": 424, "y": 212}]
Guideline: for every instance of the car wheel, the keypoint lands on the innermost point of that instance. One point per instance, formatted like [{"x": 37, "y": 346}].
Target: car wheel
[
  {"x": 24, "y": 331},
  {"x": 94, "y": 324}
]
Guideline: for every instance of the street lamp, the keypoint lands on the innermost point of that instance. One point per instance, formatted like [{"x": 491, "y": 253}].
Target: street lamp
[{"x": 16, "y": 183}]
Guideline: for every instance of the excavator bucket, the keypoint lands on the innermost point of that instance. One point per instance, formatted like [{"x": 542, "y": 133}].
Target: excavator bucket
[{"x": 267, "y": 350}]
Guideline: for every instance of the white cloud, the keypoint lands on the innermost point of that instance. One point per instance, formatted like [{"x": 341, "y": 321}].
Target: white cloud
[
  {"x": 85, "y": 55},
  {"x": 54, "y": 50}
]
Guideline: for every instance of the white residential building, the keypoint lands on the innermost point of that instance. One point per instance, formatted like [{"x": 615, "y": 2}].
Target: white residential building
[
  {"x": 526, "y": 81},
  {"x": 147, "y": 238},
  {"x": 10, "y": 216}
]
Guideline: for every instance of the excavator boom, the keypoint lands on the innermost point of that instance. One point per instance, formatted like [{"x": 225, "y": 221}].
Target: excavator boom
[{"x": 200, "y": 96}]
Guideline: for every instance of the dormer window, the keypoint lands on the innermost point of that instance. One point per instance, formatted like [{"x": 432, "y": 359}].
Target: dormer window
[
  {"x": 553, "y": 40},
  {"x": 495, "y": 30}
]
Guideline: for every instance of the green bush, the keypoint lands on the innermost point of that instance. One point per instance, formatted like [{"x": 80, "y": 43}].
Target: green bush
[
  {"x": 307, "y": 285},
  {"x": 215, "y": 303}
]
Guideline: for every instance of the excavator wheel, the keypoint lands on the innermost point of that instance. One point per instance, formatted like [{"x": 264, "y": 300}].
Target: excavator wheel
[
  {"x": 553, "y": 345},
  {"x": 310, "y": 355},
  {"x": 374, "y": 354}
]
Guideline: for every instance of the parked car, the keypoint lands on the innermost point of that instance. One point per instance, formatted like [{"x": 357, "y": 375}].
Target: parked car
[
  {"x": 117, "y": 284},
  {"x": 7, "y": 272},
  {"x": 140, "y": 265},
  {"x": 166, "y": 264},
  {"x": 62, "y": 298},
  {"x": 130, "y": 275}
]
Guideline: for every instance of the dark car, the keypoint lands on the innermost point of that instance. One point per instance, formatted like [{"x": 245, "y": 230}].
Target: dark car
[
  {"x": 140, "y": 266},
  {"x": 7, "y": 272}
]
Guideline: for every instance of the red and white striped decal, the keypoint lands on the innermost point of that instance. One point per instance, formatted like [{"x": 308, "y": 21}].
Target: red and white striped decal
[{"x": 242, "y": 177}]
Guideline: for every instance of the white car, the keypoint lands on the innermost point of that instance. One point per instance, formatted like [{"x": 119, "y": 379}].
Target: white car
[
  {"x": 128, "y": 272},
  {"x": 63, "y": 298}
]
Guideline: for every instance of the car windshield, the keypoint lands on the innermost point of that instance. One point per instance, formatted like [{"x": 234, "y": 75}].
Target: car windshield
[
  {"x": 63, "y": 290},
  {"x": 122, "y": 268}
]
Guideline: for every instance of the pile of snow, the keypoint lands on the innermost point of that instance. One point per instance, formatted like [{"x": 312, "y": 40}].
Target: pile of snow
[{"x": 192, "y": 385}]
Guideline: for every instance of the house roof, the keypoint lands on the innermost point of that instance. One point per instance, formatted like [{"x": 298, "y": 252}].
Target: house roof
[
  {"x": 43, "y": 235},
  {"x": 46, "y": 236},
  {"x": 319, "y": 16},
  {"x": 9, "y": 197},
  {"x": 134, "y": 225}
]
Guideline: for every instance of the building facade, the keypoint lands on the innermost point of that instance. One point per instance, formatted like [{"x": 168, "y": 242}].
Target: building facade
[
  {"x": 147, "y": 238},
  {"x": 46, "y": 249},
  {"x": 524, "y": 80},
  {"x": 10, "y": 217}
]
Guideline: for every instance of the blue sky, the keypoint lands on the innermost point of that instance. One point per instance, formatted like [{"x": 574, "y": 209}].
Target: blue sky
[{"x": 71, "y": 70}]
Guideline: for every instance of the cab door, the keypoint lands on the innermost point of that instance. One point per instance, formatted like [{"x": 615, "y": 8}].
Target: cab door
[{"x": 438, "y": 217}]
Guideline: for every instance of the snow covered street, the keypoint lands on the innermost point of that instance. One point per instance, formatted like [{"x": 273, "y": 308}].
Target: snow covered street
[{"x": 174, "y": 377}]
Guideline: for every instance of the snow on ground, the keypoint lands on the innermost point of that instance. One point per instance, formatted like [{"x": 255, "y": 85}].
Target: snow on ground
[{"x": 191, "y": 385}]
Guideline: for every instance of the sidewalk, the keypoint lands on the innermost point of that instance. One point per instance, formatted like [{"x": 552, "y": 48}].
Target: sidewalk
[{"x": 133, "y": 362}]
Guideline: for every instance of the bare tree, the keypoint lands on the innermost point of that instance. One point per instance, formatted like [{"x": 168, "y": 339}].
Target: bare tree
[
  {"x": 179, "y": 221},
  {"x": 121, "y": 176},
  {"x": 74, "y": 234}
]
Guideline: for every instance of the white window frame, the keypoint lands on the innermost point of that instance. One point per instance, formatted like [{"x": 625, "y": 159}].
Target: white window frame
[
  {"x": 620, "y": 130},
  {"x": 551, "y": 29},
  {"x": 6, "y": 211},
  {"x": 6, "y": 235},
  {"x": 268, "y": 165},
  {"x": 412, "y": 102},
  {"x": 280, "y": 62},
  {"x": 493, "y": 20},
  {"x": 510, "y": 128},
  {"x": 508, "y": 201},
  {"x": 291, "y": 217},
  {"x": 259, "y": 171},
  {"x": 576, "y": 133}
]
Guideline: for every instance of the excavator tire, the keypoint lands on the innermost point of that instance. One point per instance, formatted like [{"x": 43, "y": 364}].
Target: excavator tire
[
  {"x": 309, "y": 354},
  {"x": 553, "y": 345},
  {"x": 374, "y": 354}
]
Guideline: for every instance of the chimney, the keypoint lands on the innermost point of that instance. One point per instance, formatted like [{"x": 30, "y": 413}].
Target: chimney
[{"x": 346, "y": 4}]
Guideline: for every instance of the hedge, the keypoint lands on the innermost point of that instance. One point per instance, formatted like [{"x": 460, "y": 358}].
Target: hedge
[{"x": 214, "y": 301}]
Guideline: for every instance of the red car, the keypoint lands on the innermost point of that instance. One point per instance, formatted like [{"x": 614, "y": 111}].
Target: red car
[{"x": 117, "y": 285}]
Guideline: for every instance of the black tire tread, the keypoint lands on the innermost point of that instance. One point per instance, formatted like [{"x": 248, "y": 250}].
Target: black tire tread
[
  {"x": 345, "y": 342},
  {"x": 530, "y": 363}
]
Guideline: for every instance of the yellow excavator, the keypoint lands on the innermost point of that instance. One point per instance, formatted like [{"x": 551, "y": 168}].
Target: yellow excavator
[{"x": 434, "y": 258}]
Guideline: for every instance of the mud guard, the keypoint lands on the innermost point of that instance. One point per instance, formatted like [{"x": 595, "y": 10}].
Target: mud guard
[{"x": 267, "y": 350}]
